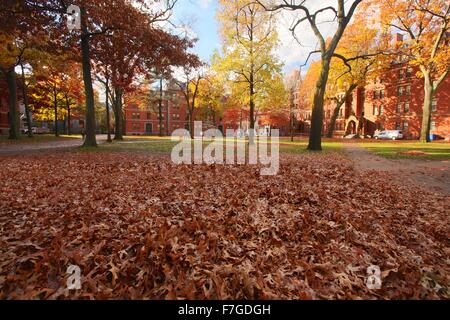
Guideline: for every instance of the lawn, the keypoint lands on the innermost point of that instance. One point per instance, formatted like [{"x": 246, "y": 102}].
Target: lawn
[{"x": 409, "y": 149}]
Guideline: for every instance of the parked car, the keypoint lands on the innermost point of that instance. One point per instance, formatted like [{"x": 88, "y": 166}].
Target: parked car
[
  {"x": 33, "y": 130},
  {"x": 435, "y": 137},
  {"x": 42, "y": 130},
  {"x": 36, "y": 130},
  {"x": 389, "y": 135}
]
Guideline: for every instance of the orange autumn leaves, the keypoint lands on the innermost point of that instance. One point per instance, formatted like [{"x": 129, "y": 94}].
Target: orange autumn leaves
[{"x": 140, "y": 227}]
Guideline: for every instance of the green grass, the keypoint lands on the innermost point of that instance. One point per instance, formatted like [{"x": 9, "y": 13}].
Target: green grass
[
  {"x": 299, "y": 146},
  {"x": 36, "y": 138},
  {"x": 163, "y": 145},
  {"x": 397, "y": 149}
]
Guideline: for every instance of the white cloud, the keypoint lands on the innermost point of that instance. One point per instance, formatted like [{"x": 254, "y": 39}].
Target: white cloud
[
  {"x": 290, "y": 51},
  {"x": 204, "y": 3}
]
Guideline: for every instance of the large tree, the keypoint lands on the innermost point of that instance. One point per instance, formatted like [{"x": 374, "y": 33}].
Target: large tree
[
  {"x": 249, "y": 41},
  {"x": 21, "y": 32},
  {"x": 146, "y": 52},
  {"x": 342, "y": 15},
  {"x": 10, "y": 56},
  {"x": 98, "y": 18},
  {"x": 189, "y": 84},
  {"x": 426, "y": 25},
  {"x": 361, "y": 54}
]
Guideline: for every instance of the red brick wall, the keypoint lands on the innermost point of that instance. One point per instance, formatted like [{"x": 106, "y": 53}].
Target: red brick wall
[
  {"x": 393, "y": 111},
  {"x": 396, "y": 114},
  {"x": 138, "y": 120}
]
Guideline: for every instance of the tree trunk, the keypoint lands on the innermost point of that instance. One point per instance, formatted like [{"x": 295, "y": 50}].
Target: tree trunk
[
  {"x": 108, "y": 124},
  {"x": 251, "y": 131},
  {"x": 160, "y": 107},
  {"x": 25, "y": 102},
  {"x": 426, "y": 115},
  {"x": 168, "y": 119},
  {"x": 291, "y": 114},
  {"x": 90, "y": 140},
  {"x": 191, "y": 123},
  {"x": 13, "y": 114},
  {"x": 118, "y": 114},
  {"x": 334, "y": 117},
  {"x": 315, "y": 137},
  {"x": 55, "y": 109},
  {"x": 68, "y": 116},
  {"x": 124, "y": 129}
]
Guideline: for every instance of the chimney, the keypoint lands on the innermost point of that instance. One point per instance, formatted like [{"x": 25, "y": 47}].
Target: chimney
[{"x": 399, "y": 37}]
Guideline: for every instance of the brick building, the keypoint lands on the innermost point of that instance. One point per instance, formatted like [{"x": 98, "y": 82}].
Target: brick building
[
  {"x": 145, "y": 121},
  {"x": 392, "y": 102}
]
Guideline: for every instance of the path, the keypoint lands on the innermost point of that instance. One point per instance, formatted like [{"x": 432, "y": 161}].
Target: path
[
  {"x": 20, "y": 148},
  {"x": 431, "y": 174}
]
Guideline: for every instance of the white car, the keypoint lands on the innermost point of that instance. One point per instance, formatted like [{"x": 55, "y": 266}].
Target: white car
[
  {"x": 25, "y": 130},
  {"x": 389, "y": 135}
]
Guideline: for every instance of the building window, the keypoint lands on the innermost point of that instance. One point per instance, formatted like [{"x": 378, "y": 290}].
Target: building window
[
  {"x": 408, "y": 90},
  {"x": 381, "y": 110},
  {"x": 409, "y": 71},
  {"x": 135, "y": 116},
  {"x": 398, "y": 126},
  {"x": 399, "y": 108},
  {"x": 405, "y": 125},
  {"x": 401, "y": 74},
  {"x": 375, "y": 110},
  {"x": 382, "y": 95},
  {"x": 136, "y": 126},
  {"x": 434, "y": 105},
  {"x": 406, "y": 107},
  {"x": 400, "y": 91},
  {"x": 375, "y": 95},
  {"x": 149, "y": 115}
]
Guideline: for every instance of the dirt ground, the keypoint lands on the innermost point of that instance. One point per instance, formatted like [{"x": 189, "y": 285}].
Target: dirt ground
[{"x": 430, "y": 174}]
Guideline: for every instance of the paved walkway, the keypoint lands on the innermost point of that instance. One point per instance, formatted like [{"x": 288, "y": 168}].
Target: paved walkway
[
  {"x": 20, "y": 148},
  {"x": 430, "y": 174}
]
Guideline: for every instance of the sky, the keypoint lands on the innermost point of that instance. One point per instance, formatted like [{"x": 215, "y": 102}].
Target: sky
[{"x": 200, "y": 15}]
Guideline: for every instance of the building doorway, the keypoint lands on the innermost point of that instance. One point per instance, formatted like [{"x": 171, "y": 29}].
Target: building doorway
[
  {"x": 351, "y": 127},
  {"x": 148, "y": 129}
]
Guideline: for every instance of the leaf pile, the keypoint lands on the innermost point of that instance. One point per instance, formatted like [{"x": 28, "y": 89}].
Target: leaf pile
[{"x": 140, "y": 227}]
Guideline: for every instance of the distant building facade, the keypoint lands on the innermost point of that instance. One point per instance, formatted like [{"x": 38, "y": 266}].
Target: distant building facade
[
  {"x": 145, "y": 120},
  {"x": 392, "y": 102}
]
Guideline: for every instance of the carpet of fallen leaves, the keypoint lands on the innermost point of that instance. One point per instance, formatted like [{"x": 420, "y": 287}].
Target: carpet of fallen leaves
[{"x": 140, "y": 227}]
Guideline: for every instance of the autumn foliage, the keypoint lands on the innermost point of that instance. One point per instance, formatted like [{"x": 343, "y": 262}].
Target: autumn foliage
[{"x": 141, "y": 227}]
